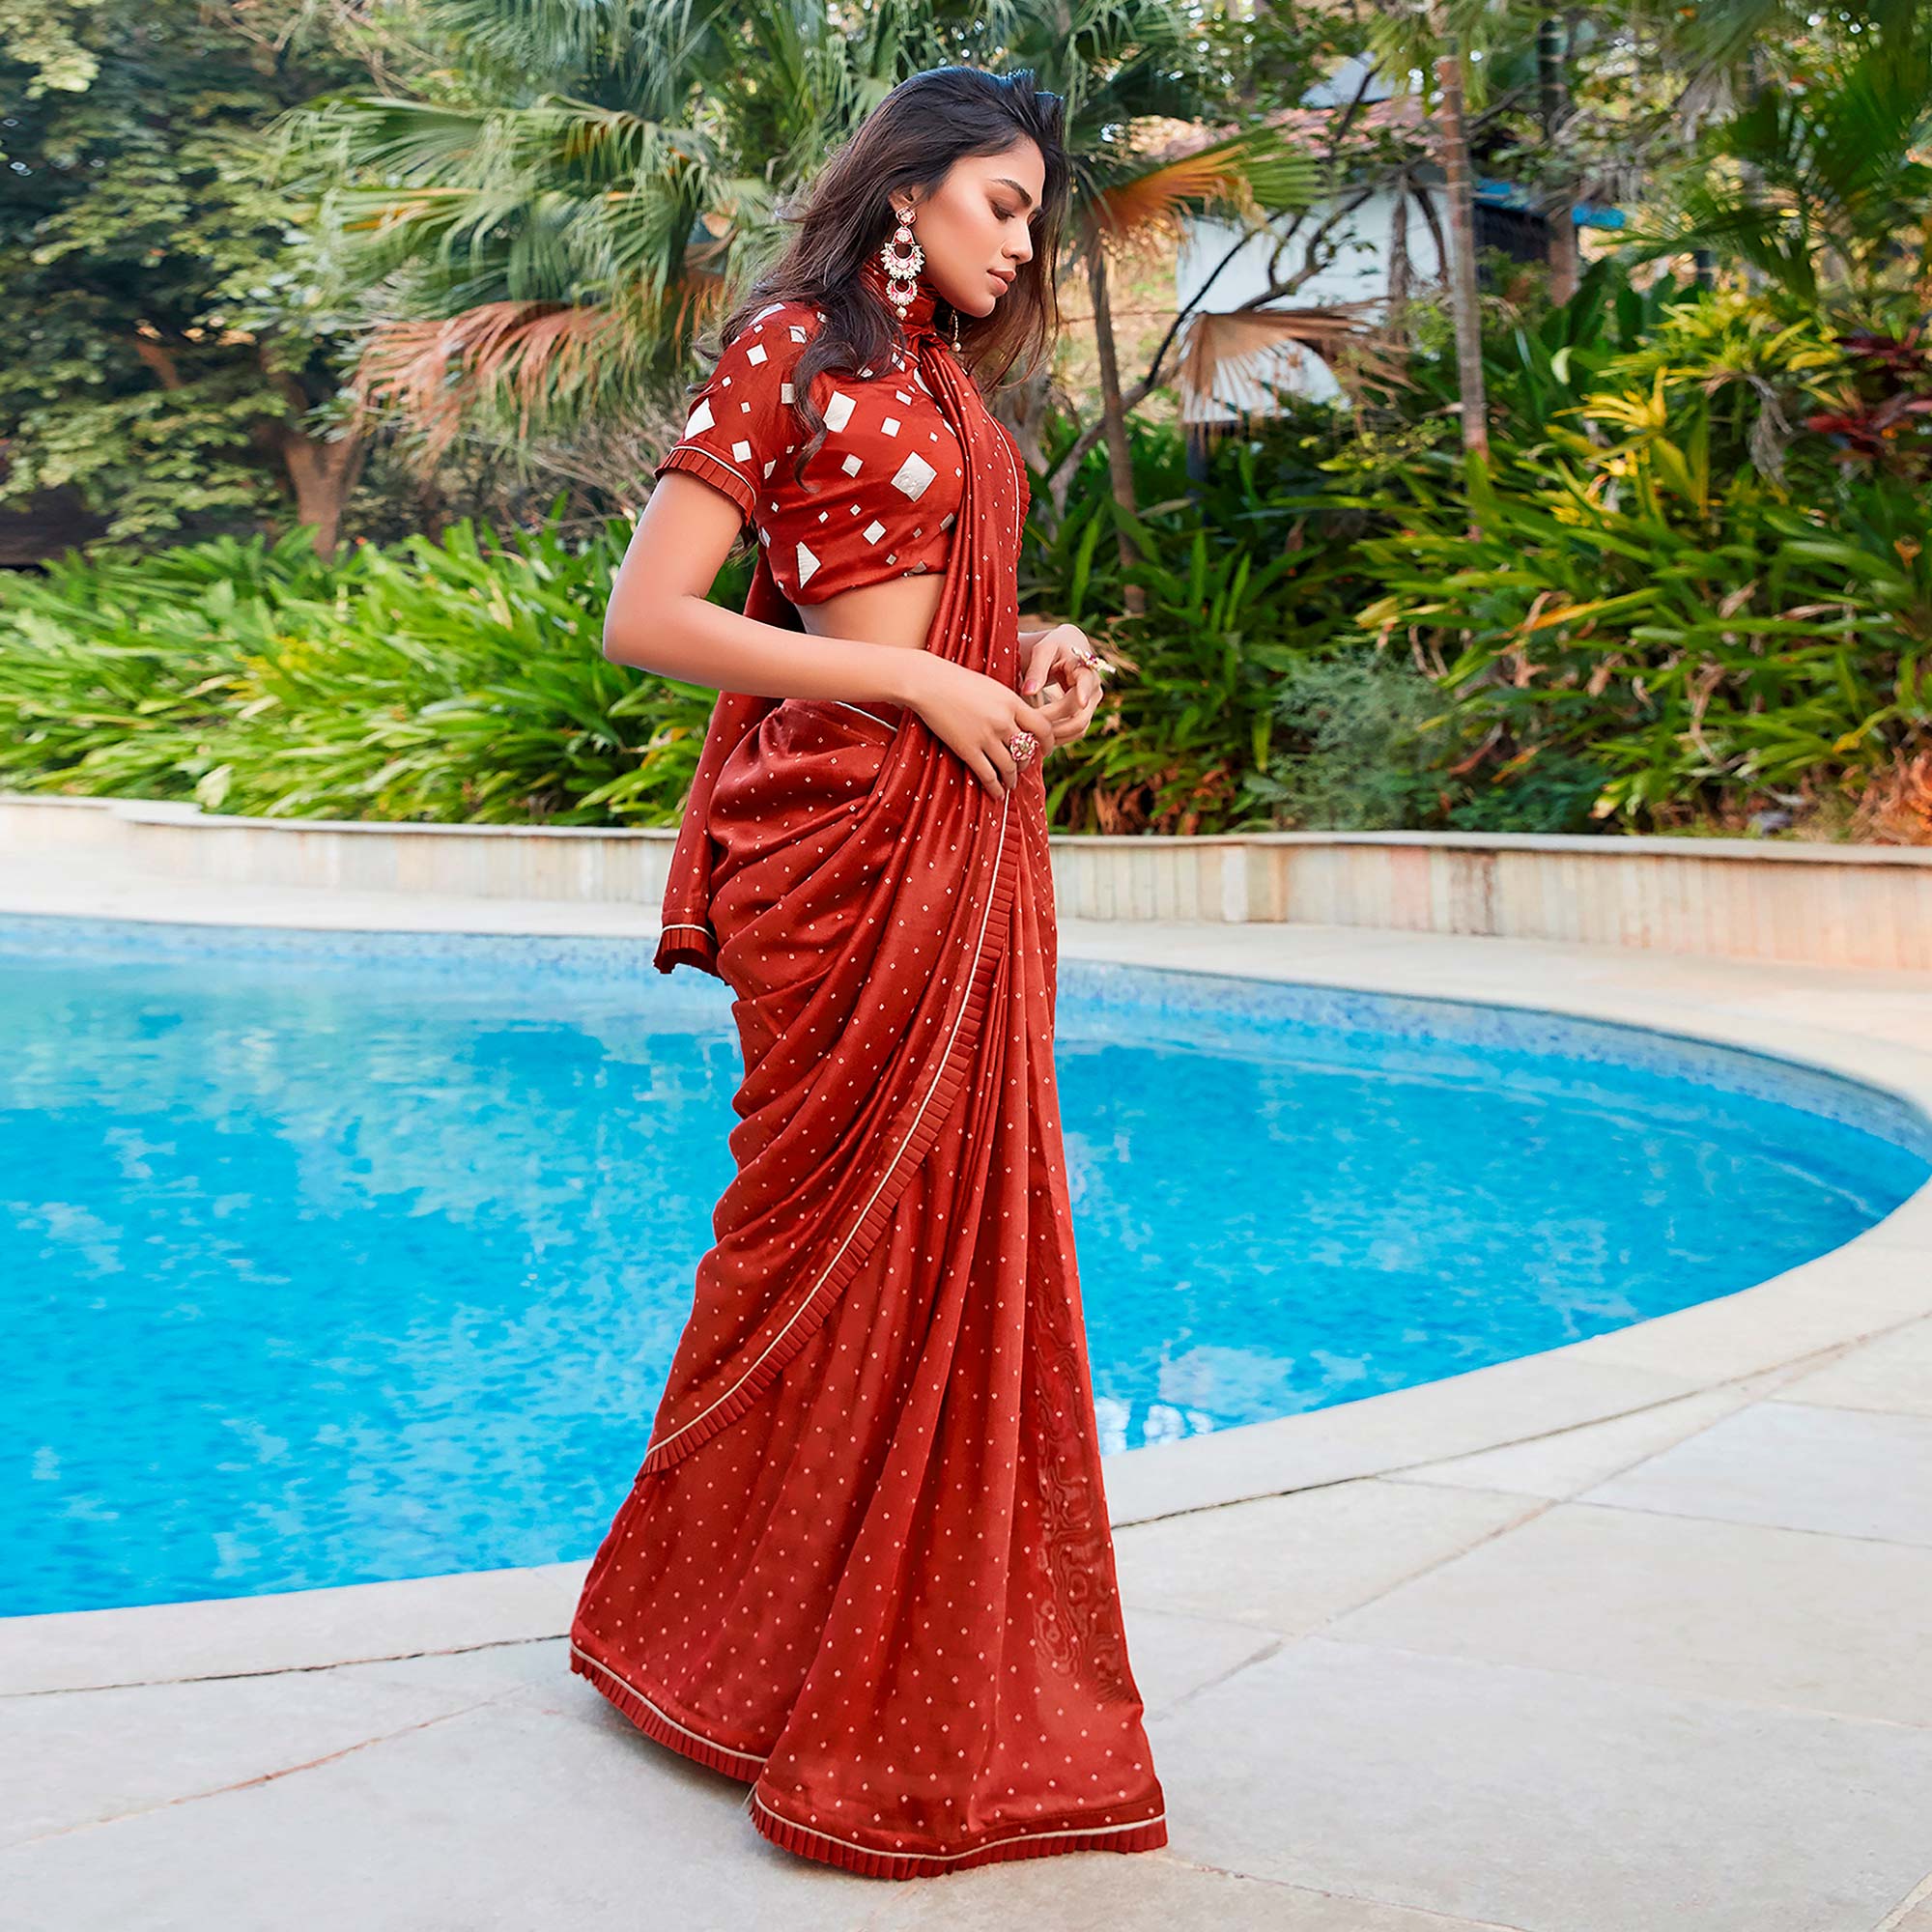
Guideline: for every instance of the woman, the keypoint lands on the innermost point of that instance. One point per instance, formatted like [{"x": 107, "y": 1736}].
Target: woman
[{"x": 866, "y": 1566}]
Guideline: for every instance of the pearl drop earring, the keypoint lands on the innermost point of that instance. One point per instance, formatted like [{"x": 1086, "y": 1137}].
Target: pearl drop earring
[{"x": 903, "y": 259}]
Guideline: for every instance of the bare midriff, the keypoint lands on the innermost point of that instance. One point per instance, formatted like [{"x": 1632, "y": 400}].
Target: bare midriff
[{"x": 898, "y": 610}]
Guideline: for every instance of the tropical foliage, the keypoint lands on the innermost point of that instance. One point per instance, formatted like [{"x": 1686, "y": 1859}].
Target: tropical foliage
[
  {"x": 1642, "y": 544},
  {"x": 457, "y": 680},
  {"x": 1676, "y": 585}
]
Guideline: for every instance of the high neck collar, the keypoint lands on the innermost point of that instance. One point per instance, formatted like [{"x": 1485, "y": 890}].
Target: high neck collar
[{"x": 919, "y": 320}]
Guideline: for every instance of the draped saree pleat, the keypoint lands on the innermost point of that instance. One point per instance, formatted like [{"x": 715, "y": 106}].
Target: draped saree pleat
[{"x": 866, "y": 1566}]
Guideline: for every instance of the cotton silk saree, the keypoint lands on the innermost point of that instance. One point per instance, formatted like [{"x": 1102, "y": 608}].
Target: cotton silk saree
[{"x": 866, "y": 1566}]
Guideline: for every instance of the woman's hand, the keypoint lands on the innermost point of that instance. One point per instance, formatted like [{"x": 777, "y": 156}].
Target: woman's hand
[
  {"x": 977, "y": 715},
  {"x": 1055, "y": 655}
]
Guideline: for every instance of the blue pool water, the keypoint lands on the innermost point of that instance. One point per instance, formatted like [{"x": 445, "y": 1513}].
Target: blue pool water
[{"x": 336, "y": 1258}]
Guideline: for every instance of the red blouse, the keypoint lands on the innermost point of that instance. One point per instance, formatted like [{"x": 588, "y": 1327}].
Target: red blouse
[{"x": 880, "y": 497}]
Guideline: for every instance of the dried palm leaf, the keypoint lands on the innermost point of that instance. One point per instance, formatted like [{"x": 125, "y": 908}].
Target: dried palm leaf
[{"x": 1241, "y": 359}]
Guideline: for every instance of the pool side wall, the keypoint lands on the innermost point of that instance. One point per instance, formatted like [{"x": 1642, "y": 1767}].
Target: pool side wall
[{"x": 1737, "y": 898}]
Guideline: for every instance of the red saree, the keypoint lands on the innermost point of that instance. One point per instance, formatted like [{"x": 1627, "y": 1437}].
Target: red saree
[{"x": 866, "y": 1566}]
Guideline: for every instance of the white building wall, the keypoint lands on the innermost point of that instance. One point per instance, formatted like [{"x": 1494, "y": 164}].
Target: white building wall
[{"x": 1358, "y": 272}]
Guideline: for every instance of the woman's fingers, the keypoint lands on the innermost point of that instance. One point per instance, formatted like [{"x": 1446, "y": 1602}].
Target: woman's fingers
[
  {"x": 1057, "y": 711},
  {"x": 1057, "y": 653},
  {"x": 1028, "y": 720},
  {"x": 1040, "y": 659},
  {"x": 1073, "y": 723},
  {"x": 993, "y": 762},
  {"x": 988, "y": 773},
  {"x": 1072, "y": 711}
]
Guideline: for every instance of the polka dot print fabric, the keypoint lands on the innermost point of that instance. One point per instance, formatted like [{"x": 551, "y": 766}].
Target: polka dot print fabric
[
  {"x": 866, "y": 1566},
  {"x": 880, "y": 496}
]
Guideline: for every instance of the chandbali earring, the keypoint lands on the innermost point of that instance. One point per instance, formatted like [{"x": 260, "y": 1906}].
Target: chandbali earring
[{"x": 903, "y": 259}]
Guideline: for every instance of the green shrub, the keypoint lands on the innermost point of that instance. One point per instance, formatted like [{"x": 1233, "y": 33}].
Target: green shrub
[
  {"x": 453, "y": 681},
  {"x": 1673, "y": 580},
  {"x": 1353, "y": 753}
]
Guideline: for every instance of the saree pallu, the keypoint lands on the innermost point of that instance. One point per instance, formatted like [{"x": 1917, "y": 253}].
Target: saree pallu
[{"x": 866, "y": 1566}]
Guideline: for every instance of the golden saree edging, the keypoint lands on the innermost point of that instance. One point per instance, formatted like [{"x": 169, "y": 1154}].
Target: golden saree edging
[{"x": 929, "y": 1115}]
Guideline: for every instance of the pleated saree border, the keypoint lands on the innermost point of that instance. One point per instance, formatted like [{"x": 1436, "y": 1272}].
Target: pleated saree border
[
  {"x": 1138, "y": 1834},
  {"x": 681, "y": 943},
  {"x": 948, "y": 1084},
  {"x": 660, "y": 1724},
  {"x": 1134, "y": 1835}
]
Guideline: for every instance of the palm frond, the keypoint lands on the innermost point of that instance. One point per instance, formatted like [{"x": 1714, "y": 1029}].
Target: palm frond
[{"x": 1238, "y": 360}]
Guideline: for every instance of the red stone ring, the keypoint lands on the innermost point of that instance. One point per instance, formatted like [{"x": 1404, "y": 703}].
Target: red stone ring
[{"x": 1022, "y": 744}]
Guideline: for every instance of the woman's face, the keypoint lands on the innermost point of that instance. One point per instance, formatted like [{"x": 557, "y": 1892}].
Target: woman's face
[{"x": 976, "y": 227}]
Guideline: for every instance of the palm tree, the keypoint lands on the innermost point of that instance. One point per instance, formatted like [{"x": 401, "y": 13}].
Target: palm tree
[
  {"x": 1432, "y": 38},
  {"x": 1251, "y": 173},
  {"x": 1823, "y": 191},
  {"x": 1555, "y": 40},
  {"x": 1457, "y": 187},
  {"x": 1127, "y": 67},
  {"x": 542, "y": 256}
]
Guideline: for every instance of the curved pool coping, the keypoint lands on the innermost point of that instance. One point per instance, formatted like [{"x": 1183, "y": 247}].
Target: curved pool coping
[{"x": 1880, "y": 1279}]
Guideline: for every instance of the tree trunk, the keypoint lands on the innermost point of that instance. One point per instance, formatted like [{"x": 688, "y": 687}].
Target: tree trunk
[
  {"x": 1113, "y": 415},
  {"x": 323, "y": 475},
  {"x": 319, "y": 474},
  {"x": 1023, "y": 408},
  {"x": 1552, "y": 48},
  {"x": 1453, "y": 138},
  {"x": 1563, "y": 258},
  {"x": 1396, "y": 315},
  {"x": 1753, "y": 176}
]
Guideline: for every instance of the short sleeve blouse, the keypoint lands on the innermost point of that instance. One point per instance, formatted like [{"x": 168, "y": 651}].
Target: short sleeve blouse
[{"x": 880, "y": 496}]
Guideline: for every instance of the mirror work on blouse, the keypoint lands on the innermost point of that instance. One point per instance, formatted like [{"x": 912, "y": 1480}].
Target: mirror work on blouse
[{"x": 878, "y": 498}]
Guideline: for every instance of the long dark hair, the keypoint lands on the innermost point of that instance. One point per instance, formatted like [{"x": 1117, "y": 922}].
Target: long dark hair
[{"x": 845, "y": 215}]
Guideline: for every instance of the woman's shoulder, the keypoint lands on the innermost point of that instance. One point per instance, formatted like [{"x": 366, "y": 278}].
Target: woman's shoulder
[{"x": 777, "y": 329}]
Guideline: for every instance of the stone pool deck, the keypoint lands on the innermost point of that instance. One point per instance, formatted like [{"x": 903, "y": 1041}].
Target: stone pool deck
[{"x": 1633, "y": 1636}]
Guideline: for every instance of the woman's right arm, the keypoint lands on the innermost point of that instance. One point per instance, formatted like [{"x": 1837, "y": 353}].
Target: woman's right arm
[{"x": 661, "y": 618}]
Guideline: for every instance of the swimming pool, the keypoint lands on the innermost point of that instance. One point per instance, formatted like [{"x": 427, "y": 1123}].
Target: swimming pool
[{"x": 338, "y": 1257}]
